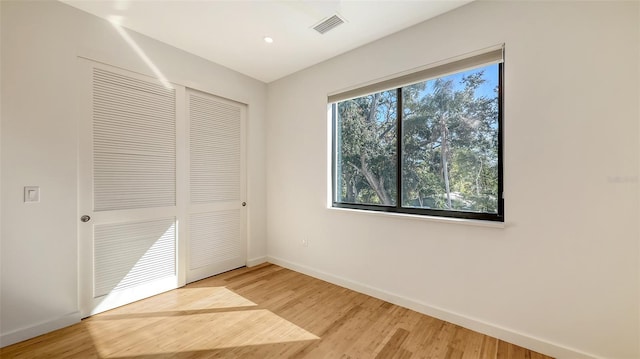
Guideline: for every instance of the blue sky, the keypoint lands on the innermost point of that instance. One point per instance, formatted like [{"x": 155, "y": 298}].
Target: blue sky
[{"x": 486, "y": 89}]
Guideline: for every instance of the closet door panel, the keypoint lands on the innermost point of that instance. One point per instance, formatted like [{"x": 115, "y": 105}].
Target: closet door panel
[
  {"x": 127, "y": 200},
  {"x": 217, "y": 235}
]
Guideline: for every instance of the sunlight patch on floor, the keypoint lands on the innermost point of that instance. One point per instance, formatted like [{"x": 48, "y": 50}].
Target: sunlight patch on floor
[
  {"x": 152, "y": 335},
  {"x": 184, "y": 299}
]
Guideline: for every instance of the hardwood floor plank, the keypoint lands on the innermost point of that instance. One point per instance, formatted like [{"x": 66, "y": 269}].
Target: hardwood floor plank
[
  {"x": 440, "y": 344},
  {"x": 472, "y": 345},
  {"x": 264, "y": 312},
  {"x": 394, "y": 345},
  {"x": 489, "y": 348}
]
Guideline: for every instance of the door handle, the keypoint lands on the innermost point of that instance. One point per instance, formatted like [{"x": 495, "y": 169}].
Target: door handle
[
  {"x": 85, "y": 218},
  {"x": 244, "y": 204}
]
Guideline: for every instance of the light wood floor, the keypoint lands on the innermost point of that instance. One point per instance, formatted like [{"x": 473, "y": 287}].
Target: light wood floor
[{"x": 264, "y": 312}]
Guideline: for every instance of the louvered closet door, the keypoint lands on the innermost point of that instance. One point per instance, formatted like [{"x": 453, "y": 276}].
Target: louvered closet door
[
  {"x": 216, "y": 217},
  {"x": 128, "y": 238}
]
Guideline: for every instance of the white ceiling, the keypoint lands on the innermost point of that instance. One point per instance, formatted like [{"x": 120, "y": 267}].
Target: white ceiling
[{"x": 230, "y": 33}]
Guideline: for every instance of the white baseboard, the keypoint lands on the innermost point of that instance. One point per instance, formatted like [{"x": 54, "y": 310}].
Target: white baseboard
[
  {"x": 33, "y": 331},
  {"x": 255, "y": 261},
  {"x": 502, "y": 333}
]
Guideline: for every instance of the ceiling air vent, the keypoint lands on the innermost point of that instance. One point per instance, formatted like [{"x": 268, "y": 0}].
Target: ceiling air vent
[{"x": 329, "y": 23}]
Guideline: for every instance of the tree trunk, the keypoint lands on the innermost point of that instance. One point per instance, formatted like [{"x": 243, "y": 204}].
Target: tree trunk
[
  {"x": 351, "y": 190},
  {"x": 372, "y": 111},
  {"x": 375, "y": 183},
  {"x": 478, "y": 178},
  {"x": 445, "y": 165}
]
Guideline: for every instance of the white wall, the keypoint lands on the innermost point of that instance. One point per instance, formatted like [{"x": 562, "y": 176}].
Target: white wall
[
  {"x": 562, "y": 276},
  {"x": 40, "y": 45}
]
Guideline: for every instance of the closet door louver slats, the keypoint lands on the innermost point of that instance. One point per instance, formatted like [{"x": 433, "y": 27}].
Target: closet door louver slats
[
  {"x": 134, "y": 143},
  {"x": 214, "y": 149},
  {"x": 214, "y": 237},
  {"x": 131, "y": 254}
]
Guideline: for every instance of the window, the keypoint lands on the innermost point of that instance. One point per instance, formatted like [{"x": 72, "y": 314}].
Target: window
[{"x": 431, "y": 147}]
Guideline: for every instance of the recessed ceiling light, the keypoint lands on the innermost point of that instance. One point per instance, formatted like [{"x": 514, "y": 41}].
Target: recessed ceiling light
[{"x": 268, "y": 39}]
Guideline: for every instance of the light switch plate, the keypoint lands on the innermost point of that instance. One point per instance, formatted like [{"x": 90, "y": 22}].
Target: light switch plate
[{"x": 31, "y": 194}]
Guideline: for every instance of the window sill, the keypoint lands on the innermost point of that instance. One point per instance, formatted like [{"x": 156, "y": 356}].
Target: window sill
[{"x": 448, "y": 220}]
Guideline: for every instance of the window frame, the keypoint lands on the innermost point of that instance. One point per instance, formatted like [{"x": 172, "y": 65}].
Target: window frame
[{"x": 398, "y": 208}]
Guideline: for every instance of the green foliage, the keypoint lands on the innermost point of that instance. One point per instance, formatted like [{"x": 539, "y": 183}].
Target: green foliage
[
  {"x": 367, "y": 134},
  {"x": 449, "y": 144}
]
